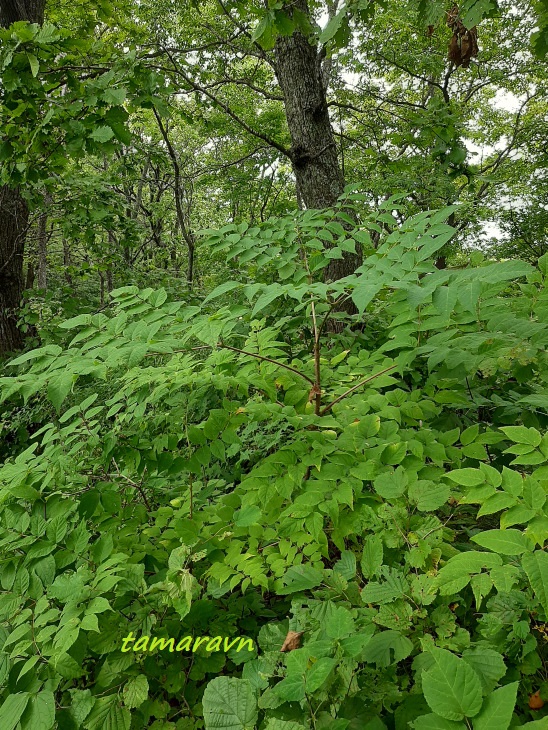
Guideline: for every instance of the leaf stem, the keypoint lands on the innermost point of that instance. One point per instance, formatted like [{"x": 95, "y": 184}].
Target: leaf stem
[
  {"x": 355, "y": 387},
  {"x": 266, "y": 359}
]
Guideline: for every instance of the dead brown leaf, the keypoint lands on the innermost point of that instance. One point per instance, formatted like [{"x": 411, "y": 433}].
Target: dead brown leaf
[{"x": 292, "y": 641}]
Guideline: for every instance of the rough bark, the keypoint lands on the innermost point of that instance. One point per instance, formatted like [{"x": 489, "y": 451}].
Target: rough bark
[
  {"x": 13, "y": 10},
  {"x": 318, "y": 174},
  {"x": 14, "y": 216},
  {"x": 30, "y": 276},
  {"x": 14, "y": 212}
]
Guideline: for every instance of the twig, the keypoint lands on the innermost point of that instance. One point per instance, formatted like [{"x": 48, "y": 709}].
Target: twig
[
  {"x": 317, "y": 389},
  {"x": 355, "y": 387},
  {"x": 139, "y": 487},
  {"x": 266, "y": 359}
]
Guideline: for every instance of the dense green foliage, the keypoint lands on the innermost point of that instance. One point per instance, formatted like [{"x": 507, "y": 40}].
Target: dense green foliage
[
  {"x": 190, "y": 479},
  {"x": 207, "y": 436}
]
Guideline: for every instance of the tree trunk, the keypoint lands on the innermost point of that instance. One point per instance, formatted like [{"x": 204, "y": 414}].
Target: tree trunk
[
  {"x": 29, "y": 278},
  {"x": 318, "y": 174},
  {"x": 13, "y": 10},
  {"x": 14, "y": 216},
  {"x": 67, "y": 262},
  {"x": 42, "y": 273},
  {"x": 14, "y": 213}
]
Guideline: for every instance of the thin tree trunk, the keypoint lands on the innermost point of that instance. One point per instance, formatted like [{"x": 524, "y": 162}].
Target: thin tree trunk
[
  {"x": 188, "y": 235},
  {"x": 29, "y": 278},
  {"x": 112, "y": 245},
  {"x": 67, "y": 262},
  {"x": 42, "y": 273},
  {"x": 318, "y": 174}
]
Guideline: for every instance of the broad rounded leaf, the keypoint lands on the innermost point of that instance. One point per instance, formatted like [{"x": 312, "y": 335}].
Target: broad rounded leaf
[
  {"x": 136, "y": 691},
  {"x": 229, "y": 704},
  {"x": 300, "y": 578},
  {"x": 497, "y": 709},
  {"x": 451, "y": 687},
  {"x": 40, "y": 712}
]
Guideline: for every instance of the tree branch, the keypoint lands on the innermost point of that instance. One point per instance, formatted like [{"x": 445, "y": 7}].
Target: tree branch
[{"x": 355, "y": 387}]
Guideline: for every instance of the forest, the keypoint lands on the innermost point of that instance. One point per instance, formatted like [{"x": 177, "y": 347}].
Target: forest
[{"x": 273, "y": 365}]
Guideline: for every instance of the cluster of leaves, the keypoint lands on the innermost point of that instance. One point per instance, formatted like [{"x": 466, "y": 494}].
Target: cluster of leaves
[
  {"x": 64, "y": 96},
  {"x": 380, "y": 493}
]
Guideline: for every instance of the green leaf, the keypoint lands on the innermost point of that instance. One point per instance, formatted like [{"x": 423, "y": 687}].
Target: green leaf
[
  {"x": 264, "y": 32},
  {"x": 274, "y": 291},
  {"x": 107, "y": 714},
  {"x": 506, "y": 542},
  {"x": 40, "y": 712},
  {"x": 469, "y": 435},
  {"x": 472, "y": 12},
  {"x": 535, "y": 566},
  {"x": 102, "y": 134},
  {"x": 229, "y": 704},
  {"x": 497, "y": 709},
  {"x": 66, "y": 666},
  {"x": 488, "y": 664},
  {"x": 388, "y": 647},
  {"x": 135, "y": 691},
  {"x": 51, "y": 350},
  {"x": 74, "y": 322},
  {"x": 115, "y": 96},
  {"x": 394, "y": 453},
  {"x": 496, "y": 503},
  {"x": 82, "y": 702},
  {"x": 319, "y": 672},
  {"x": 59, "y": 388},
  {"x": 451, "y": 687},
  {"x": 522, "y": 435},
  {"x": 283, "y": 23},
  {"x": 391, "y": 485},
  {"x": 222, "y": 289},
  {"x": 339, "y": 623},
  {"x": 435, "y": 722},
  {"x": 248, "y": 515},
  {"x": 34, "y": 64},
  {"x": 444, "y": 300},
  {"x": 12, "y": 709},
  {"x": 300, "y": 578},
  {"x": 363, "y": 294},
  {"x": 346, "y": 566},
  {"x": 333, "y": 26},
  {"x": 466, "y": 477},
  {"x": 372, "y": 556},
  {"x": 428, "y": 496}
]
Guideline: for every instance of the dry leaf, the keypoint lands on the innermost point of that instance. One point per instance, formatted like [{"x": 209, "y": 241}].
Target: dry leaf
[
  {"x": 314, "y": 391},
  {"x": 292, "y": 641},
  {"x": 535, "y": 701}
]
